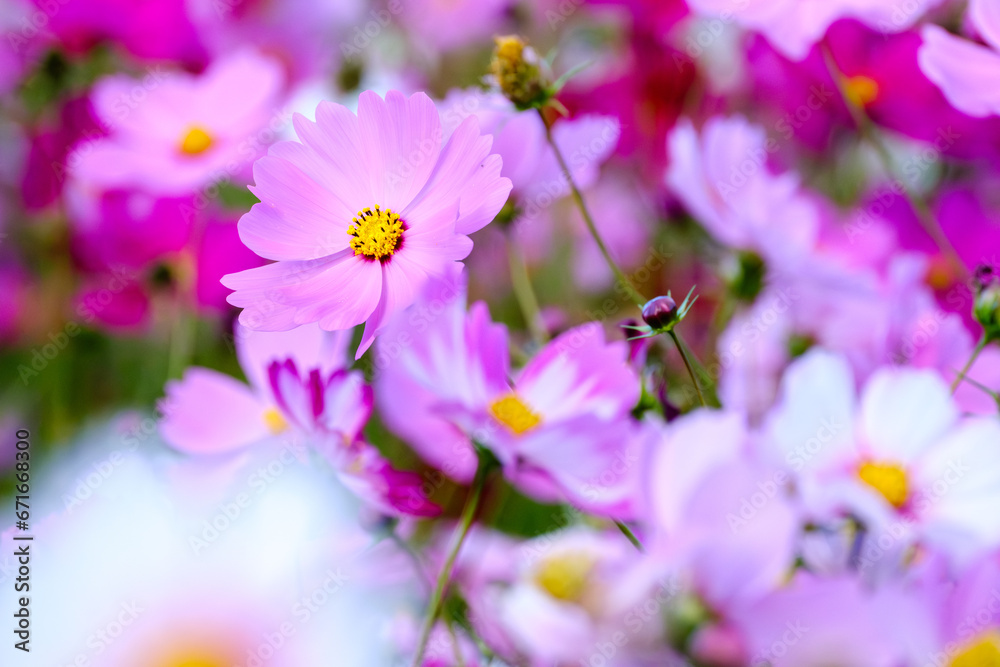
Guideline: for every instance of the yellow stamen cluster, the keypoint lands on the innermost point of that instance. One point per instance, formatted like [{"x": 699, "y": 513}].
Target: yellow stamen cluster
[
  {"x": 565, "y": 576},
  {"x": 196, "y": 141},
  {"x": 275, "y": 421},
  {"x": 376, "y": 233},
  {"x": 517, "y": 72},
  {"x": 889, "y": 479},
  {"x": 512, "y": 412},
  {"x": 861, "y": 90},
  {"x": 983, "y": 653}
]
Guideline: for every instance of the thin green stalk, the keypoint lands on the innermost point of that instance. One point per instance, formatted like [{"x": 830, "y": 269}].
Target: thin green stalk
[
  {"x": 524, "y": 292},
  {"x": 181, "y": 341},
  {"x": 869, "y": 132},
  {"x": 980, "y": 346},
  {"x": 444, "y": 578},
  {"x": 633, "y": 293},
  {"x": 687, "y": 365},
  {"x": 627, "y": 532}
]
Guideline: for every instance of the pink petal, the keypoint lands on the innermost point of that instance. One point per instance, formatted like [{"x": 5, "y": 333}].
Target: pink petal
[
  {"x": 339, "y": 292},
  {"x": 402, "y": 138},
  {"x": 985, "y": 16},
  {"x": 336, "y": 138},
  {"x": 308, "y": 345},
  {"x": 296, "y": 218},
  {"x": 463, "y": 156},
  {"x": 234, "y": 420},
  {"x": 967, "y": 74}
]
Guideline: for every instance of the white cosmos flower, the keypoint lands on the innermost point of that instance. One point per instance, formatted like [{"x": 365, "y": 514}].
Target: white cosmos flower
[{"x": 899, "y": 457}]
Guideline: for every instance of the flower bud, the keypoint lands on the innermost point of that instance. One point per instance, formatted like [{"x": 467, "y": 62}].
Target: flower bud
[
  {"x": 518, "y": 72},
  {"x": 661, "y": 313},
  {"x": 987, "y": 310}
]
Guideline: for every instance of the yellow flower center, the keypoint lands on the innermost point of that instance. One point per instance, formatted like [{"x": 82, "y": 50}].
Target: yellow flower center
[
  {"x": 196, "y": 656},
  {"x": 861, "y": 90},
  {"x": 512, "y": 412},
  {"x": 983, "y": 653},
  {"x": 196, "y": 141},
  {"x": 376, "y": 234},
  {"x": 275, "y": 421},
  {"x": 565, "y": 576},
  {"x": 889, "y": 479}
]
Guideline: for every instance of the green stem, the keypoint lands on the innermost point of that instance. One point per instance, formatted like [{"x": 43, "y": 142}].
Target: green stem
[
  {"x": 444, "y": 578},
  {"x": 627, "y": 532},
  {"x": 181, "y": 342},
  {"x": 524, "y": 292},
  {"x": 869, "y": 132},
  {"x": 687, "y": 365},
  {"x": 633, "y": 293},
  {"x": 980, "y": 346}
]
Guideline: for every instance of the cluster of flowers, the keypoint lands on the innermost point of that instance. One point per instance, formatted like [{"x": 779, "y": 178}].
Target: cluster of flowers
[{"x": 536, "y": 479}]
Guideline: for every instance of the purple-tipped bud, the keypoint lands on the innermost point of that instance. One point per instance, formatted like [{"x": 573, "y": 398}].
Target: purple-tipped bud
[
  {"x": 986, "y": 308},
  {"x": 661, "y": 313}
]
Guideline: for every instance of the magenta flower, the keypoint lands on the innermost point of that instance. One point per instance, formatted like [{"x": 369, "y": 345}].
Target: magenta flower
[{"x": 361, "y": 212}]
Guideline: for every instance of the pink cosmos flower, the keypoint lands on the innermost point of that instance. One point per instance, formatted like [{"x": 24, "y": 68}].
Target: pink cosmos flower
[
  {"x": 966, "y": 72},
  {"x": 721, "y": 175},
  {"x": 815, "y": 622},
  {"x": 898, "y": 456},
  {"x": 246, "y": 413},
  {"x": 172, "y": 133},
  {"x": 793, "y": 26},
  {"x": 361, "y": 213},
  {"x": 968, "y": 619},
  {"x": 323, "y": 405},
  {"x": 559, "y": 426},
  {"x": 721, "y": 520},
  {"x": 561, "y": 600}
]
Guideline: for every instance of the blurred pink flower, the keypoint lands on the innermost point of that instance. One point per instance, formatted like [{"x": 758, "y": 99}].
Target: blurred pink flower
[
  {"x": 899, "y": 455},
  {"x": 245, "y": 414},
  {"x": 127, "y": 228},
  {"x": 722, "y": 176},
  {"x": 721, "y": 519},
  {"x": 562, "y": 600},
  {"x": 793, "y": 26},
  {"x": 219, "y": 251},
  {"x": 361, "y": 213},
  {"x": 323, "y": 405},
  {"x": 171, "y": 133},
  {"x": 967, "y": 73},
  {"x": 306, "y": 48},
  {"x": 817, "y": 621}
]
